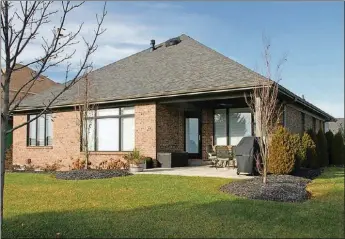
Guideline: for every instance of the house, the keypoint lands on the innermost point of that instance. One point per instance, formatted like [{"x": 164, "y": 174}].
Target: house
[
  {"x": 335, "y": 126},
  {"x": 19, "y": 88},
  {"x": 175, "y": 96}
]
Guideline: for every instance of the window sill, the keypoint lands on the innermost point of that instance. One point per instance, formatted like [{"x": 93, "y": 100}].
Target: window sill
[{"x": 39, "y": 147}]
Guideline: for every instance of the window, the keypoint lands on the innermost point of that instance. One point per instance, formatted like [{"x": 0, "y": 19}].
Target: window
[
  {"x": 240, "y": 124},
  {"x": 110, "y": 129},
  {"x": 220, "y": 127},
  {"x": 40, "y": 130},
  {"x": 314, "y": 124},
  {"x": 326, "y": 126},
  {"x": 231, "y": 125}
]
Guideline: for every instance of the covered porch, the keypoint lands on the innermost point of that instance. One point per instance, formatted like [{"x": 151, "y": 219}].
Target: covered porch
[{"x": 192, "y": 124}]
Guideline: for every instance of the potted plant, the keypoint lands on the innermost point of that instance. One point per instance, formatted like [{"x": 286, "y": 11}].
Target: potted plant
[{"x": 135, "y": 160}]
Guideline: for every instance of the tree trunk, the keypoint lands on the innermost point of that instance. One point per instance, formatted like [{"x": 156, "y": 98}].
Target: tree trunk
[
  {"x": 264, "y": 178},
  {"x": 3, "y": 153},
  {"x": 4, "y": 123}
]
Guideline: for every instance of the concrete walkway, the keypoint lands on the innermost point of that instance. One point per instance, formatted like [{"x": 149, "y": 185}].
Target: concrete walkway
[{"x": 201, "y": 171}]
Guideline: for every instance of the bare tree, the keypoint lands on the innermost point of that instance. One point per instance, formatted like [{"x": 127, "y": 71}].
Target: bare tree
[
  {"x": 20, "y": 27},
  {"x": 263, "y": 102},
  {"x": 84, "y": 111}
]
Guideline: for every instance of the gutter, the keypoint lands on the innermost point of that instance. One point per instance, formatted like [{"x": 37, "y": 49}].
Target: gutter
[
  {"x": 142, "y": 98},
  {"x": 281, "y": 89},
  {"x": 298, "y": 99}
]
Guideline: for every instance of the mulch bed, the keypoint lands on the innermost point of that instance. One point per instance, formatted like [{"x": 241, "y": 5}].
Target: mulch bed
[
  {"x": 282, "y": 188},
  {"x": 91, "y": 174}
]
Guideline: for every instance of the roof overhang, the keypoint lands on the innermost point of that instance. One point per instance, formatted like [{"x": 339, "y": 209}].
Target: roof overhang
[
  {"x": 305, "y": 103},
  {"x": 144, "y": 98},
  {"x": 201, "y": 93}
]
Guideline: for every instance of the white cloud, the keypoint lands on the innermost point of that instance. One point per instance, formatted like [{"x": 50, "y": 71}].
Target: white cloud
[{"x": 125, "y": 34}]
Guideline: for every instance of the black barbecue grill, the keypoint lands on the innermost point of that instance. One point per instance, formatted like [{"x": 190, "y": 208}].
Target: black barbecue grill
[{"x": 246, "y": 151}]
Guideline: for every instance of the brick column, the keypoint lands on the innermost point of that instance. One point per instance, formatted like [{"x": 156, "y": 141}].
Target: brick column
[{"x": 206, "y": 130}]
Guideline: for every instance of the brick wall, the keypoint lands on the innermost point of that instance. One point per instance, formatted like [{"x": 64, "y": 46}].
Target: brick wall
[
  {"x": 145, "y": 129},
  {"x": 170, "y": 129},
  {"x": 293, "y": 119},
  {"x": 66, "y": 140},
  {"x": 157, "y": 128},
  {"x": 308, "y": 122},
  {"x": 207, "y": 130}
]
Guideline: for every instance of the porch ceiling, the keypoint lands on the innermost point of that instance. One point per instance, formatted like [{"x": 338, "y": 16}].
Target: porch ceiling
[{"x": 195, "y": 104}]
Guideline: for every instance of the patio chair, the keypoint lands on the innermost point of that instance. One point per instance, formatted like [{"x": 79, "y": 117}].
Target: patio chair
[
  {"x": 224, "y": 157},
  {"x": 232, "y": 161},
  {"x": 211, "y": 154}
]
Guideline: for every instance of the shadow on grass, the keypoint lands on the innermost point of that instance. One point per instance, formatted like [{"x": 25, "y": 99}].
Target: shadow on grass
[
  {"x": 338, "y": 174},
  {"x": 226, "y": 218}
]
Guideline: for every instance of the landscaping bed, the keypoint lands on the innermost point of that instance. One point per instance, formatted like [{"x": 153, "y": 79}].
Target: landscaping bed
[
  {"x": 282, "y": 188},
  {"x": 91, "y": 174}
]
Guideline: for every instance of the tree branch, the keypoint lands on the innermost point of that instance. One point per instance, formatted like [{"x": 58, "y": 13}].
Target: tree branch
[{"x": 83, "y": 69}]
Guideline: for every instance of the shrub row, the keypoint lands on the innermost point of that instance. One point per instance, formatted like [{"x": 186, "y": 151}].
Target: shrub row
[
  {"x": 335, "y": 148},
  {"x": 289, "y": 152}
]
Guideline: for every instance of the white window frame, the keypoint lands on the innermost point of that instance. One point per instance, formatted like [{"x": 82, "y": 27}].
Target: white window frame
[
  {"x": 228, "y": 140},
  {"x": 112, "y": 113},
  {"x": 35, "y": 123}
]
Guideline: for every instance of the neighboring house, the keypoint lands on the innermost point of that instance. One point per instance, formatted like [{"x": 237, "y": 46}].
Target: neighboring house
[
  {"x": 175, "y": 96},
  {"x": 19, "y": 88},
  {"x": 335, "y": 126}
]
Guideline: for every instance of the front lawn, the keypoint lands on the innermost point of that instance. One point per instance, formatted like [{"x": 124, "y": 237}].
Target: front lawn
[{"x": 38, "y": 205}]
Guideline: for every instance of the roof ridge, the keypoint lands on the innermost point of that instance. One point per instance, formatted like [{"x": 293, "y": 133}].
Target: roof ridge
[
  {"x": 228, "y": 58},
  {"x": 122, "y": 59}
]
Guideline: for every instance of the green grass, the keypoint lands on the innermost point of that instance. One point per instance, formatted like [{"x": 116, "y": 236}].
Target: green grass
[{"x": 164, "y": 206}]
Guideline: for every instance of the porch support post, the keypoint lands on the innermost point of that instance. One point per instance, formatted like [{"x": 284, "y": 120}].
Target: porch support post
[{"x": 257, "y": 116}]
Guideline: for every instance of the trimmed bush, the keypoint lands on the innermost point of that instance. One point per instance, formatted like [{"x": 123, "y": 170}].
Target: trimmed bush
[
  {"x": 338, "y": 149},
  {"x": 282, "y": 150},
  {"x": 306, "y": 147},
  {"x": 329, "y": 137},
  {"x": 321, "y": 148},
  {"x": 312, "y": 158},
  {"x": 296, "y": 142}
]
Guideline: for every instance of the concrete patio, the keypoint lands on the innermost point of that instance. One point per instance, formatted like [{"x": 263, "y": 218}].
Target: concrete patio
[{"x": 201, "y": 171}]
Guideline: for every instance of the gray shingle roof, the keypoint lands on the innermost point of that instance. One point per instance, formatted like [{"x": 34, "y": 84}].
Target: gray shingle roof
[
  {"x": 186, "y": 67},
  {"x": 183, "y": 68}
]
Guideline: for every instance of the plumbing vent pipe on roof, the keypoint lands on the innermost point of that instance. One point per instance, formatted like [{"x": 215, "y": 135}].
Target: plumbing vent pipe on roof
[{"x": 153, "y": 42}]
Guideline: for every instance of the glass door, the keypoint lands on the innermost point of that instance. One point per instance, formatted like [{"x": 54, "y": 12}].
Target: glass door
[{"x": 193, "y": 135}]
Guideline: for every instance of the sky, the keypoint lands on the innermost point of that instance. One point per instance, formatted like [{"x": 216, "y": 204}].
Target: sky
[{"x": 310, "y": 34}]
